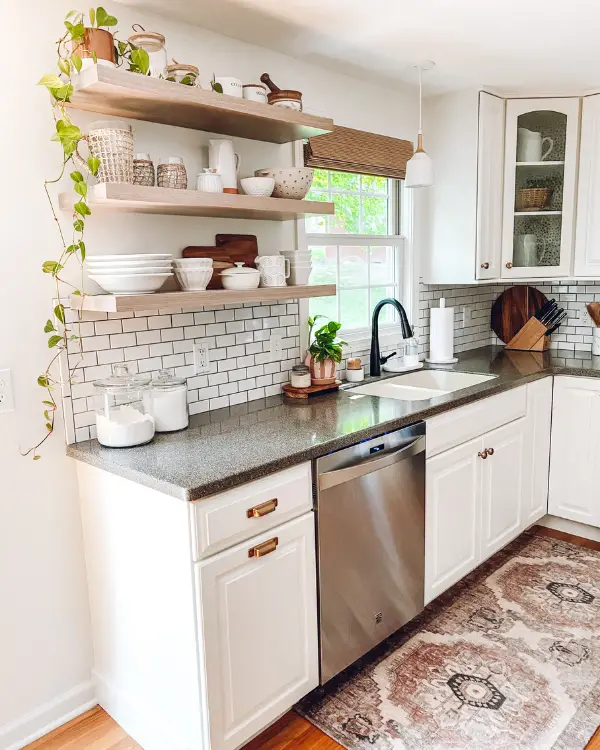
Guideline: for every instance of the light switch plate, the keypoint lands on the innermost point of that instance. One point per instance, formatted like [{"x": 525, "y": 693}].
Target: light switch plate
[
  {"x": 7, "y": 402},
  {"x": 467, "y": 316},
  {"x": 275, "y": 347}
]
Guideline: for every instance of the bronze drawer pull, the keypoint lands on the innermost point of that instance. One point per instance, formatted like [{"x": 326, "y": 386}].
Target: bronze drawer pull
[
  {"x": 483, "y": 454},
  {"x": 490, "y": 451},
  {"x": 509, "y": 265},
  {"x": 265, "y": 548},
  {"x": 258, "y": 511},
  {"x": 485, "y": 265}
]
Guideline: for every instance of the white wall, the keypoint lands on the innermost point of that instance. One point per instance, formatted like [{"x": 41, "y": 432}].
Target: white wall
[{"x": 45, "y": 653}]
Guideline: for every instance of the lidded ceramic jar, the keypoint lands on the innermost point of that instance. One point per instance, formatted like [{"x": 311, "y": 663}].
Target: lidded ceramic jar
[
  {"x": 169, "y": 402},
  {"x": 241, "y": 277},
  {"x": 300, "y": 377},
  {"x": 154, "y": 44},
  {"x": 209, "y": 181},
  {"x": 122, "y": 404}
]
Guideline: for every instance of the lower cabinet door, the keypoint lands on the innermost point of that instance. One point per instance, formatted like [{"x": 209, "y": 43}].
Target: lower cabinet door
[
  {"x": 452, "y": 516},
  {"x": 506, "y": 476},
  {"x": 258, "y": 622},
  {"x": 575, "y": 455},
  {"x": 539, "y": 425}
]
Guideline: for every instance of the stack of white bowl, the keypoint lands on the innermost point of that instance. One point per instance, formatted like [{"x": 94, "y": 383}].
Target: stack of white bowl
[
  {"x": 300, "y": 266},
  {"x": 140, "y": 273},
  {"x": 193, "y": 274}
]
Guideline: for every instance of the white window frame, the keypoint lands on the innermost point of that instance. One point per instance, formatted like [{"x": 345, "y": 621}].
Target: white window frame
[{"x": 402, "y": 220}]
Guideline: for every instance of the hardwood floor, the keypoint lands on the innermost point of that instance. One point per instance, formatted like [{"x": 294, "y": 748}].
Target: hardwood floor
[{"x": 95, "y": 730}]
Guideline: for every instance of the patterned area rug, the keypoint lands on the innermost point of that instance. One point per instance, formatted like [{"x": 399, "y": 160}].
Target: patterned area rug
[{"x": 508, "y": 659}]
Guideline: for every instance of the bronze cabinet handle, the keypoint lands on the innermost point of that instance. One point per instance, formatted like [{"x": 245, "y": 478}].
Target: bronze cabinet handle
[
  {"x": 490, "y": 451},
  {"x": 258, "y": 511},
  {"x": 509, "y": 265},
  {"x": 485, "y": 265},
  {"x": 483, "y": 454},
  {"x": 260, "y": 550}
]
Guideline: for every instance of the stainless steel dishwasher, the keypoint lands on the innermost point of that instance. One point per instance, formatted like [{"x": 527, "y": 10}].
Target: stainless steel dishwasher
[{"x": 371, "y": 543}]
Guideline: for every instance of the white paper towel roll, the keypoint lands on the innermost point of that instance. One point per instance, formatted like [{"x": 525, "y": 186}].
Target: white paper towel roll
[{"x": 441, "y": 337}]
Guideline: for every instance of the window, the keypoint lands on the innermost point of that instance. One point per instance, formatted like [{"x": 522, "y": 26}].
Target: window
[{"x": 359, "y": 248}]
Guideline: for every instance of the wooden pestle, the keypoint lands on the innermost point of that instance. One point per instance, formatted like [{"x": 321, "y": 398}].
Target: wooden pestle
[{"x": 266, "y": 78}]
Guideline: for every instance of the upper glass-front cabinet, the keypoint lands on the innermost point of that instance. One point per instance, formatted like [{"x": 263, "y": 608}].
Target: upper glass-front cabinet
[{"x": 539, "y": 187}]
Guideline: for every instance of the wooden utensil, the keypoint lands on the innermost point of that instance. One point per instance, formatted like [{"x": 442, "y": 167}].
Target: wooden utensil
[
  {"x": 277, "y": 93},
  {"x": 513, "y": 308},
  {"x": 594, "y": 310}
]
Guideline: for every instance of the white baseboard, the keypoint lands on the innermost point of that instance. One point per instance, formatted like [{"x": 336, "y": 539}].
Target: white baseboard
[
  {"x": 571, "y": 527},
  {"x": 134, "y": 719},
  {"x": 47, "y": 717}
]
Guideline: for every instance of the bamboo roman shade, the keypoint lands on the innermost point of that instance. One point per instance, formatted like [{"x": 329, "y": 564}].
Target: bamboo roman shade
[{"x": 348, "y": 150}]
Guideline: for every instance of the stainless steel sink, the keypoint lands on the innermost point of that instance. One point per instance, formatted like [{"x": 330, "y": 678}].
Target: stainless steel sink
[{"x": 423, "y": 385}]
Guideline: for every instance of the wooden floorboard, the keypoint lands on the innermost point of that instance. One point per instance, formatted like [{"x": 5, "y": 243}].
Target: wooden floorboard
[{"x": 95, "y": 730}]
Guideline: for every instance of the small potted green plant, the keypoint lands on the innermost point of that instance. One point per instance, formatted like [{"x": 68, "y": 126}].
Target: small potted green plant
[{"x": 324, "y": 352}]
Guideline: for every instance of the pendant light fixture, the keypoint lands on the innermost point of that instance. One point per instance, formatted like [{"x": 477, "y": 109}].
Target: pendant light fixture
[{"x": 419, "y": 169}]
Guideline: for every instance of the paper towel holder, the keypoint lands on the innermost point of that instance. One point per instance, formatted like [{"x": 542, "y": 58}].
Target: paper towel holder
[{"x": 440, "y": 360}]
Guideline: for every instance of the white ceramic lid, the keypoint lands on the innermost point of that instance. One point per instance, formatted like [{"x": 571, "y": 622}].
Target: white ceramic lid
[{"x": 239, "y": 269}]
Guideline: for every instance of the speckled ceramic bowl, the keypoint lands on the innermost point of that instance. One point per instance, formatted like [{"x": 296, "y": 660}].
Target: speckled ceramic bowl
[{"x": 291, "y": 182}]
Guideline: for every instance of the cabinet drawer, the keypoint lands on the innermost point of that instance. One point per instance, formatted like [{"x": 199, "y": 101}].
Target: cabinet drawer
[
  {"x": 231, "y": 517},
  {"x": 468, "y": 422}
]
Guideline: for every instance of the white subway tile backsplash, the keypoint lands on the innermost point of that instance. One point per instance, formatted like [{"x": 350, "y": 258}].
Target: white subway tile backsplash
[
  {"x": 110, "y": 356},
  {"x": 107, "y": 326},
  {"x": 134, "y": 324},
  {"x": 171, "y": 334},
  {"x": 160, "y": 350},
  {"x": 94, "y": 343}
]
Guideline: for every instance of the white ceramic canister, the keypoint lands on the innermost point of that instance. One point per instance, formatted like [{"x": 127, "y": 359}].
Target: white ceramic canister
[
  {"x": 596, "y": 342},
  {"x": 274, "y": 270},
  {"x": 209, "y": 182},
  {"x": 122, "y": 404},
  {"x": 300, "y": 376},
  {"x": 169, "y": 402},
  {"x": 255, "y": 92},
  {"x": 231, "y": 86}
]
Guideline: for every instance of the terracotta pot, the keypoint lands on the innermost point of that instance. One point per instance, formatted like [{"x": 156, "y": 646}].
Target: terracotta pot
[
  {"x": 97, "y": 41},
  {"x": 321, "y": 373}
]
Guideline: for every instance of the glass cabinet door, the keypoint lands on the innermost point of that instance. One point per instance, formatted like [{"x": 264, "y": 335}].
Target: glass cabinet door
[{"x": 539, "y": 187}]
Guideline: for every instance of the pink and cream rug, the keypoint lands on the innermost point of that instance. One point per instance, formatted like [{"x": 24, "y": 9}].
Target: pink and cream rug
[{"x": 509, "y": 659}]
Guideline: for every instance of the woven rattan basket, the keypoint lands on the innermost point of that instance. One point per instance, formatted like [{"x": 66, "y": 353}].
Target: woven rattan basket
[{"x": 533, "y": 199}]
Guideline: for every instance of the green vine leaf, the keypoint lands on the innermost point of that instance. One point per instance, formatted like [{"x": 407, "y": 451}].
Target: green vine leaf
[
  {"x": 78, "y": 225},
  {"x": 103, "y": 19},
  {"x": 36, "y": 457},
  {"x": 76, "y": 176},
  {"x": 49, "y": 403},
  {"x": 92, "y": 17},
  {"x": 50, "y": 81},
  {"x": 76, "y": 293},
  {"x": 82, "y": 250},
  {"x": 53, "y": 341},
  {"x": 82, "y": 209},
  {"x": 59, "y": 311},
  {"x": 51, "y": 266},
  {"x": 43, "y": 381},
  {"x": 76, "y": 62},
  {"x": 81, "y": 188},
  {"x": 141, "y": 60},
  {"x": 65, "y": 66},
  {"x": 49, "y": 327},
  {"x": 93, "y": 164}
]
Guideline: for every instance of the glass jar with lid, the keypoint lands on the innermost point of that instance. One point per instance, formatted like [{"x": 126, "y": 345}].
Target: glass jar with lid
[
  {"x": 122, "y": 404},
  {"x": 300, "y": 376},
  {"x": 154, "y": 44},
  {"x": 169, "y": 402}
]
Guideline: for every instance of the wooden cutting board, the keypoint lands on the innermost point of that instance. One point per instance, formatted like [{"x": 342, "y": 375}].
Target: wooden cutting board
[
  {"x": 230, "y": 249},
  {"x": 512, "y": 310}
]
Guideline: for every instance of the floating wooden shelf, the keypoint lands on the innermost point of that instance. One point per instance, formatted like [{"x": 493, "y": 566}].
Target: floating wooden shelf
[
  {"x": 156, "y": 200},
  {"x": 112, "y": 91},
  {"x": 540, "y": 163},
  {"x": 178, "y": 300},
  {"x": 538, "y": 213}
]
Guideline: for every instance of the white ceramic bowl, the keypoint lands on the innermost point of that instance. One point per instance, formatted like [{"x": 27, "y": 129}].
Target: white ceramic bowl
[
  {"x": 193, "y": 279},
  {"x": 126, "y": 271},
  {"x": 131, "y": 284},
  {"x": 299, "y": 276},
  {"x": 193, "y": 262},
  {"x": 261, "y": 187},
  {"x": 291, "y": 182},
  {"x": 136, "y": 258}
]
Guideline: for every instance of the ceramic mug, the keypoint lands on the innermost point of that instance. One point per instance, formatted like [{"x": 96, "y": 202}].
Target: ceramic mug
[
  {"x": 528, "y": 253},
  {"x": 231, "y": 86},
  {"x": 209, "y": 182},
  {"x": 274, "y": 270},
  {"x": 530, "y": 145}
]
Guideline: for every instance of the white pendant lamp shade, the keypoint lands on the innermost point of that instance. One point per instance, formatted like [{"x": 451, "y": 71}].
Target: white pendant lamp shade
[{"x": 419, "y": 169}]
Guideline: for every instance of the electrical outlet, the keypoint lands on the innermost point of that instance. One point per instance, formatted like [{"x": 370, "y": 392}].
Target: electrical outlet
[
  {"x": 6, "y": 392},
  {"x": 584, "y": 317},
  {"x": 275, "y": 347},
  {"x": 201, "y": 358},
  {"x": 467, "y": 316}
]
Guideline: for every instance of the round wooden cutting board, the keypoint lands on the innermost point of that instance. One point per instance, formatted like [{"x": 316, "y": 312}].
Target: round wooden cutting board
[{"x": 512, "y": 310}]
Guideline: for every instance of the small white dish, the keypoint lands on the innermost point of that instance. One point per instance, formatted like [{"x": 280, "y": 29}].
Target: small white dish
[
  {"x": 261, "y": 187},
  {"x": 131, "y": 284},
  {"x": 125, "y": 271},
  {"x": 135, "y": 257},
  {"x": 240, "y": 278}
]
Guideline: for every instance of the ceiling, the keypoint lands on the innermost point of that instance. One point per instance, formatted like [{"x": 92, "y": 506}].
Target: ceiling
[{"x": 511, "y": 45}]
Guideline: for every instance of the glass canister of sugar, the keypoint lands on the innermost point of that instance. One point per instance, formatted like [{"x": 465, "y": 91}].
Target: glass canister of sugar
[
  {"x": 123, "y": 409},
  {"x": 169, "y": 402}
]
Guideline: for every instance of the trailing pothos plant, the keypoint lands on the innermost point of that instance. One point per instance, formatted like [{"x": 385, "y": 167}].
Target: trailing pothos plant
[{"x": 62, "y": 333}]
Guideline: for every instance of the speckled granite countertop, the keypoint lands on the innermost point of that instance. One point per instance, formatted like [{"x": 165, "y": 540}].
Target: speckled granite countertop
[{"x": 227, "y": 447}]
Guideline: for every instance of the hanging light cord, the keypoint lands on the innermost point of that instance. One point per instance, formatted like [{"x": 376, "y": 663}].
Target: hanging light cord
[{"x": 420, "y": 133}]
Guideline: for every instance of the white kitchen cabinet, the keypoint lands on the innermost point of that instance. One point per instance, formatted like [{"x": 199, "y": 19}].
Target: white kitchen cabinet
[
  {"x": 575, "y": 454},
  {"x": 538, "y": 242},
  {"x": 259, "y": 618},
  {"x": 587, "y": 237},
  {"x": 452, "y": 516},
  {"x": 504, "y": 483},
  {"x": 537, "y": 445},
  {"x": 465, "y": 139}
]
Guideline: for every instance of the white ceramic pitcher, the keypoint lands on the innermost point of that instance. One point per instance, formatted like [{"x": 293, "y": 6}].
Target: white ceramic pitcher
[
  {"x": 274, "y": 269},
  {"x": 530, "y": 251},
  {"x": 222, "y": 157},
  {"x": 530, "y": 145}
]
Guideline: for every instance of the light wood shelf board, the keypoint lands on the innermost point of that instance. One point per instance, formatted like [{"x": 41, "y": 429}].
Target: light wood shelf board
[
  {"x": 113, "y": 91},
  {"x": 156, "y": 200},
  {"x": 210, "y": 297}
]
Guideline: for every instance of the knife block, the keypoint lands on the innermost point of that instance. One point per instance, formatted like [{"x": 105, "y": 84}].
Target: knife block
[{"x": 532, "y": 337}]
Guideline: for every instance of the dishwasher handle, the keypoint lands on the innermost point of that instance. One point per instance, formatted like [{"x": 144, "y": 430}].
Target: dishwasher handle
[{"x": 337, "y": 476}]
